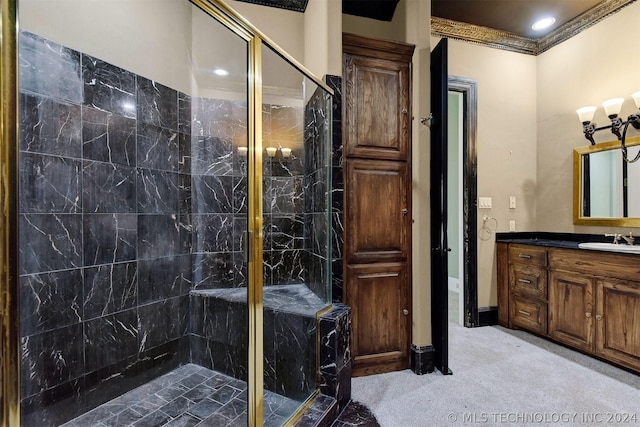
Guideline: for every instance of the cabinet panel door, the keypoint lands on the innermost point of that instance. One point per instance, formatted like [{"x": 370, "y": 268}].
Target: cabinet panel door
[
  {"x": 377, "y": 211},
  {"x": 377, "y": 111},
  {"x": 571, "y": 309},
  {"x": 618, "y": 322},
  {"x": 378, "y": 295}
]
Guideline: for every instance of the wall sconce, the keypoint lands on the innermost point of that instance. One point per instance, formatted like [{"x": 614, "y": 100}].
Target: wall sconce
[
  {"x": 612, "y": 109},
  {"x": 271, "y": 151},
  {"x": 286, "y": 152}
]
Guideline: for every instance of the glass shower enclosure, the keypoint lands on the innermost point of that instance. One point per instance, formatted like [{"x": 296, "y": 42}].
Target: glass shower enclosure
[{"x": 166, "y": 232}]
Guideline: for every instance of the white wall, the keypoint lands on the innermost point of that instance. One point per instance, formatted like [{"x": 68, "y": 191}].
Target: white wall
[
  {"x": 284, "y": 27},
  {"x": 151, "y": 38},
  {"x": 528, "y": 128},
  {"x": 585, "y": 70}
]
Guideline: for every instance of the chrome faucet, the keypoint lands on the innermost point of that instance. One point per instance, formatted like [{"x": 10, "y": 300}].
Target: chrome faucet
[
  {"x": 629, "y": 239},
  {"x": 616, "y": 237}
]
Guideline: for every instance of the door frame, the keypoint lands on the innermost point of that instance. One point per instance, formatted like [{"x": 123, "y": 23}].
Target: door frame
[{"x": 469, "y": 90}]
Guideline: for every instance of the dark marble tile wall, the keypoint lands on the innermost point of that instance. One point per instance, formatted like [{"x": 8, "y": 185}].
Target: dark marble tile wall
[
  {"x": 284, "y": 197},
  {"x": 219, "y": 338},
  {"x": 105, "y": 241},
  {"x": 133, "y": 194},
  {"x": 337, "y": 191},
  {"x": 316, "y": 180},
  {"x": 335, "y": 354},
  {"x": 219, "y": 193}
]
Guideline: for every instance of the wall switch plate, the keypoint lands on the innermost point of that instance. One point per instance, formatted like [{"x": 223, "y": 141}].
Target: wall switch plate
[
  {"x": 484, "y": 202},
  {"x": 512, "y": 225},
  {"x": 512, "y": 202}
]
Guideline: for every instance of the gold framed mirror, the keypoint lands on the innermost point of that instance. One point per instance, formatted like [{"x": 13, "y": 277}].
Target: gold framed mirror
[{"x": 606, "y": 189}]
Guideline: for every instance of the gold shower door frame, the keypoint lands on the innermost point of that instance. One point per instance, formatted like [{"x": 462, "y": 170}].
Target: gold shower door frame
[{"x": 9, "y": 326}]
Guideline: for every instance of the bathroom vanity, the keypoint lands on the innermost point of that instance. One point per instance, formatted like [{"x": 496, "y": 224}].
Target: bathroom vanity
[{"x": 584, "y": 298}]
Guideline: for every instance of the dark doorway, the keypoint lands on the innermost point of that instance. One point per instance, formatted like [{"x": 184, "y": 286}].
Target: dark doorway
[{"x": 466, "y": 89}]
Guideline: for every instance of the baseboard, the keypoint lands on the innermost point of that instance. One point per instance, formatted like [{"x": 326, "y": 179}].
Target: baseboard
[
  {"x": 422, "y": 359},
  {"x": 487, "y": 316}
]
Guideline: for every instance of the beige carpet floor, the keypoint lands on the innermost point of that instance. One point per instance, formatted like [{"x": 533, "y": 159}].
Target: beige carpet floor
[{"x": 503, "y": 377}]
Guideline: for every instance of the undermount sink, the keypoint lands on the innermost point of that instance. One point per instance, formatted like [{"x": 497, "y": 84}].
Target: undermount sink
[{"x": 611, "y": 247}]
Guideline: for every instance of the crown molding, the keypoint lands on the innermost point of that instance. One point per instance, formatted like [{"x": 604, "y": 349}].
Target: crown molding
[
  {"x": 295, "y": 5},
  {"x": 509, "y": 41}
]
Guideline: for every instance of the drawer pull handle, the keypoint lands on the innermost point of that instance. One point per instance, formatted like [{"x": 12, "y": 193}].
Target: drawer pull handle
[
  {"x": 526, "y": 313},
  {"x": 525, "y": 256},
  {"x": 525, "y": 281},
  {"x": 587, "y": 315}
]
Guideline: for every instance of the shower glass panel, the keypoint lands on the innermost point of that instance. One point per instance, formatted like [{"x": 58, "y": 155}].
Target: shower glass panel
[
  {"x": 132, "y": 203},
  {"x": 295, "y": 132},
  {"x": 172, "y": 211}
]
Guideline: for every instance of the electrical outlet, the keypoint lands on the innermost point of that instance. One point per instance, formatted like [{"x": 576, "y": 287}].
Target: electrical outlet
[
  {"x": 484, "y": 202},
  {"x": 512, "y": 202},
  {"x": 512, "y": 225}
]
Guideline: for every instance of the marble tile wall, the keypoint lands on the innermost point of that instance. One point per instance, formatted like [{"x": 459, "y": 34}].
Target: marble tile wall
[
  {"x": 132, "y": 195},
  {"x": 218, "y": 206},
  {"x": 335, "y": 354},
  {"x": 316, "y": 134},
  {"x": 105, "y": 242},
  {"x": 337, "y": 191}
]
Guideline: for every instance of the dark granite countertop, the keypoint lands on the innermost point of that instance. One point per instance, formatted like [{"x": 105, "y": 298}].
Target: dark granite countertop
[{"x": 551, "y": 239}]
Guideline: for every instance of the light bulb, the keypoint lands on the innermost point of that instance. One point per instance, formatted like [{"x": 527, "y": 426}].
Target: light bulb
[{"x": 543, "y": 23}]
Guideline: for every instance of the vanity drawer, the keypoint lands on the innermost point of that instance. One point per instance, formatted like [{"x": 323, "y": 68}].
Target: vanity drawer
[
  {"x": 528, "y": 280},
  {"x": 595, "y": 263},
  {"x": 528, "y": 255},
  {"x": 528, "y": 313}
]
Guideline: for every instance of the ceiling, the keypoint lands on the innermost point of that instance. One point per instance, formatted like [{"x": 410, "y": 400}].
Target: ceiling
[
  {"x": 508, "y": 15},
  {"x": 503, "y": 24}
]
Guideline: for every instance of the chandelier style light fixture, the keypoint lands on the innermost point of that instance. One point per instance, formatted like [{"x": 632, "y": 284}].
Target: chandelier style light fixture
[{"x": 618, "y": 127}]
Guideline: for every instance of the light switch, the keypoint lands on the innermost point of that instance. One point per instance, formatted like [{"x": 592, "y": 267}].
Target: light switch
[
  {"x": 512, "y": 202},
  {"x": 484, "y": 202},
  {"x": 512, "y": 225}
]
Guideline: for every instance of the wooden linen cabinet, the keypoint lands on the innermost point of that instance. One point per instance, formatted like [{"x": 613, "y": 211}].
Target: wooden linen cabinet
[{"x": 377, "y": 174}]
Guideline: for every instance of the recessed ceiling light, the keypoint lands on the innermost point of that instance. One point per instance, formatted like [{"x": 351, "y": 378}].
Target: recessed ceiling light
[
  {"x": 543, "y": 23},
  {"x": 220, "y": 72}
]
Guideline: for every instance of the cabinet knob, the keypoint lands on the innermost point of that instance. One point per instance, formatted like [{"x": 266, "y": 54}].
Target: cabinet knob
[
  {"x": 405, "y": 211},
  {"x": 598, "y": 317},
  {"x": 405, "y": 312},
  {"x": 587, "y": 315}
]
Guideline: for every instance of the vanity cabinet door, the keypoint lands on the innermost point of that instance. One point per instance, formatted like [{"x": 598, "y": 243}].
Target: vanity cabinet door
[
  {"x": 571, "y": 309},
  {"x": 618, "y": 321}
]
